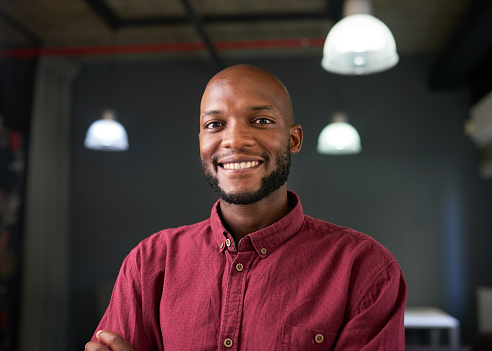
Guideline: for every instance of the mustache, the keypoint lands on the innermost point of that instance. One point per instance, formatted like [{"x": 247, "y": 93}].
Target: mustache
[{"x": 215, "y": 158}]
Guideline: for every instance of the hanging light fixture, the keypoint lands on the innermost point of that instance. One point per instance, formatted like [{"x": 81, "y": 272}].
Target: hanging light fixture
[
  {"x": 359, "y": 43},
  {"x": 106, "y": 134},
  {"x": 339, "y": 137}
]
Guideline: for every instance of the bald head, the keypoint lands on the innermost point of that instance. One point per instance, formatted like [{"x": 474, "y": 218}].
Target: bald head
[{"x": 259, "y": 79}]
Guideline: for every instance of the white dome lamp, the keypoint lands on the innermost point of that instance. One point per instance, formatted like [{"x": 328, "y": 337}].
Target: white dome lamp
[
  {"x": 339, "y": 137},
  {"x": 359, "y": 43},
  {"x": 106, "y": 134}
]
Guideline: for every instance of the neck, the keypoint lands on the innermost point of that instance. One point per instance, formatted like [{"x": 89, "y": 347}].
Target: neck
[{"x": 240, "y": 220}]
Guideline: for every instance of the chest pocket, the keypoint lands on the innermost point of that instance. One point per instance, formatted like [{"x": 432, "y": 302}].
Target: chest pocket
[{"x": 298, "y": 338}]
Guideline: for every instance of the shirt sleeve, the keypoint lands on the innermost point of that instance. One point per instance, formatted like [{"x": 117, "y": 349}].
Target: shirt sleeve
[
  {"x": 376, "y": 320},
  {"x": 124, "y": 313}
]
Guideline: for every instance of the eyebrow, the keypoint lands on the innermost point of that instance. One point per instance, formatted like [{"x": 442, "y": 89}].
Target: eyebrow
[
  {"x": 211, "y": 112},
  {"x": 252, "y": 108},
  {"x": 263, "y": 107}
]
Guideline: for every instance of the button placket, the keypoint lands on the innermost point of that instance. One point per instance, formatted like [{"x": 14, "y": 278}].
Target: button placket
[{"x": 234, "y": 301}]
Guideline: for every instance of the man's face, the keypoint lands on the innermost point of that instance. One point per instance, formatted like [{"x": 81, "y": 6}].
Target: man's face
[{"x": 246, "y": 135}]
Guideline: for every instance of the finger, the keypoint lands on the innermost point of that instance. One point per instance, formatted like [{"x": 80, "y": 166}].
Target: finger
[
  {"x": 94, "y": 346},
  {"x": 113, "y": 340}
]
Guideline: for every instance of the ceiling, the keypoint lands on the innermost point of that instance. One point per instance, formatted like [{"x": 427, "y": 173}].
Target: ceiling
[
  {"x": 418, "y": 25},
  {"x": 89, "y": 28}
]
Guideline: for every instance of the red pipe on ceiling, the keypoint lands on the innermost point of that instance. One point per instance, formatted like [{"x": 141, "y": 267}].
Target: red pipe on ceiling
[{"x": 163, "y": 47}]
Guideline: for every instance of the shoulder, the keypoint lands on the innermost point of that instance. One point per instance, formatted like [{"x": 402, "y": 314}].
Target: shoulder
[
  {"x": 348, "y": 240},
  {"x": 171, "y": 240},
  {"x": 185, "y": 232}
]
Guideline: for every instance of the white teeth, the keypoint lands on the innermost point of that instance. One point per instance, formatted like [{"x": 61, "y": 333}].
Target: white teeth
[{"x": 241, "y": 165}]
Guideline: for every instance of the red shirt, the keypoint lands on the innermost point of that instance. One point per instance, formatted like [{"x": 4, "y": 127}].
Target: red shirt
[{"x": 300, "y": 283}]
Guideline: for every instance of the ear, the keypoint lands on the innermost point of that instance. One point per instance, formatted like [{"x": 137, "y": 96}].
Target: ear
[{"x": 295, "y": 138}]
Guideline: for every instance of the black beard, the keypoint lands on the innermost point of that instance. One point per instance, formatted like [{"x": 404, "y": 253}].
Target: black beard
[{"x": 271, "y": 182}]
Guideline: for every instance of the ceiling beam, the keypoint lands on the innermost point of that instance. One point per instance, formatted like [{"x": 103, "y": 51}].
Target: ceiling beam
[
  {"x": 105, "y": 12},
  {"x": 114, "y": 21},
  {"x": 296, "y": 43},
  {"x": 256, "y": 17},
  {"x": 21, "y": 28},
  {"x": 469, "y": 46},
  {"x": 201, "y": 31}
]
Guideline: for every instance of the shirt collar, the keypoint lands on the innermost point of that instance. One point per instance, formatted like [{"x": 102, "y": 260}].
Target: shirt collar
[{"x": 266, "y": 240}]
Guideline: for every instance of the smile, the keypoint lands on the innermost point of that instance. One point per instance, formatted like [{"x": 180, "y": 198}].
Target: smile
[{"x": 240, "y": 165}]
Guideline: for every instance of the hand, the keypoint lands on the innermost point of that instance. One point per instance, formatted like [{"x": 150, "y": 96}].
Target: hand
[{"x": 113, "y": 340}]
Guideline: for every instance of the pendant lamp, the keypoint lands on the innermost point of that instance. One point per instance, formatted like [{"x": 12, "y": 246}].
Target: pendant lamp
[
  {"x": 339, "y": 137},
  {"x": 359, "y": 43},
  {"x": 106, "y": 134}
]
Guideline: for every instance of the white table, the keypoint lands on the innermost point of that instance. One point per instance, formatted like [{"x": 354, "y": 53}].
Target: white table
[{"x": 434, "y": 319}]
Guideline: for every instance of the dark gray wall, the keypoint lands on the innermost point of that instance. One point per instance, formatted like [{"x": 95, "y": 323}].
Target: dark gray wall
[
  {"x": 415, "y": 187},
  {"x": 16, "y": 92}
]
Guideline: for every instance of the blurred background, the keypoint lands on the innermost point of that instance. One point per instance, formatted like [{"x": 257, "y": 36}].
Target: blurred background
[{"x": 69, "y": 214}]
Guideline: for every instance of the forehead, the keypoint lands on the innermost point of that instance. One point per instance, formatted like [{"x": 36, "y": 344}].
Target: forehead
[{"x": 245, "y": 86}]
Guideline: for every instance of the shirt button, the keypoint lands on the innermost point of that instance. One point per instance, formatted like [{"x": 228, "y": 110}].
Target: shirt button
[
  {"x": 319, "y": 338},
  {"x": 228, "y": 242},
  {"x": 263, "y": 251},
  {"x": 228, "y": 342},
  {"x": 239, "y": 267}
]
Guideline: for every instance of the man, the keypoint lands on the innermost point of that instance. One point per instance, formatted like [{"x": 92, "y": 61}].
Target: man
[{"x": 258, "y": 274}]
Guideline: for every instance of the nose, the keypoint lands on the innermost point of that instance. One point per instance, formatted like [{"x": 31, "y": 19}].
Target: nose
[{"x": 237, "y": 135}]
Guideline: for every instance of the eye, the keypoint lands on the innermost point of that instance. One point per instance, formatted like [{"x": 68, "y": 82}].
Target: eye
[
  {"x": 262, "y": 120},
  {"x": 213, "y": 125}
]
